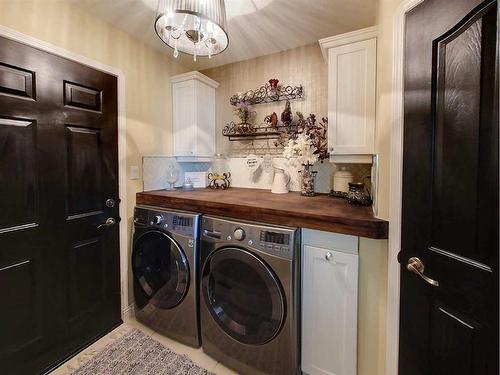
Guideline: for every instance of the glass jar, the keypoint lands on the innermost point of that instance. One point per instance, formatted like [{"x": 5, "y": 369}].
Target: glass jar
[
  {"x": 219, "y": 164},
  {"x": 308, "y": 181}
]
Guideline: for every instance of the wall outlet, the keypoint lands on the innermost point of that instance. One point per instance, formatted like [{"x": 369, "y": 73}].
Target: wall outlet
[{"x": 134, "y": 172}]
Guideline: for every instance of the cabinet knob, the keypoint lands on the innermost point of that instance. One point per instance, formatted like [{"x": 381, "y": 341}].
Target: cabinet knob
[{"x": 328, "y": 256}]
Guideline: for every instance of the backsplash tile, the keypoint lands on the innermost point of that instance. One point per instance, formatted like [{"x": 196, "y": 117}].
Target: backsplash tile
[{"x": 155, "y": 167}]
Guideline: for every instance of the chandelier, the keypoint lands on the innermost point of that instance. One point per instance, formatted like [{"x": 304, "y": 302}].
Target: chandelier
[{"x": 195, "y": 27}]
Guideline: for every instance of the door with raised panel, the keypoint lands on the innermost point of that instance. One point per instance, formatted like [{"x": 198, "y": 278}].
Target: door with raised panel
[
  {"x": 59, "y": 266},
  {"x": 329, "y": 311},
  {"x": 205, "y": 123},
  {"x": 450, "y": 222},
  {"x": 351, "y": 98},
  {"x": 184, "y": 116}
]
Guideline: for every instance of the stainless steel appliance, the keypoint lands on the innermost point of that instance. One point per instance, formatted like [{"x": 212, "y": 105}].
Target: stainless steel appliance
[
  {"x": 165, "y": 266},
  {"x": 250, "y": 296}
]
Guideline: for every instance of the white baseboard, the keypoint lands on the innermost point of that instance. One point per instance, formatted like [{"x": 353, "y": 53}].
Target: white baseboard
[{"x": 128, "y": 312}]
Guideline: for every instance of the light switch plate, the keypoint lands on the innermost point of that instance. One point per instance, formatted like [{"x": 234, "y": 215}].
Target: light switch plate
[{"x": 134, "y": 172}]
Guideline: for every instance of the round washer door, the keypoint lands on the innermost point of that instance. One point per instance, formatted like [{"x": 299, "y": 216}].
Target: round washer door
[
  {"x": 243, "y": 295},
  {"x": 161, "y": 269}
]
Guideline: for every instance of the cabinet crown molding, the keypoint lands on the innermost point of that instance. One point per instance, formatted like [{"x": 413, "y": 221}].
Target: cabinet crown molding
[
  {"x": 196, "y": 76},
  {"x": 347, "y": 38}
]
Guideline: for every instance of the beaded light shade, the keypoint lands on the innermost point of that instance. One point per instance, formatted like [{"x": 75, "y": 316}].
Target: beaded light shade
[{"x": 194, "y": 27}]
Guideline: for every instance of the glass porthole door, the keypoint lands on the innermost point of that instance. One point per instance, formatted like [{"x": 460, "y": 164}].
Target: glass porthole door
[
  {"x": 161, "y": 269},
  {"x": 243, "y": 295}
]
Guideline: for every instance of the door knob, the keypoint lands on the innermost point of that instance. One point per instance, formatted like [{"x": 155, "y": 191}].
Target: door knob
[
  {"x": 416, "y": 266},
  {"x": 109, "y": 223}
]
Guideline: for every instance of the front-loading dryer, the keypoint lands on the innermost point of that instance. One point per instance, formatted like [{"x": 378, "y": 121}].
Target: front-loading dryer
[
  {"x": 165, "y": 269},
  {"x": 250, "y": 296}
]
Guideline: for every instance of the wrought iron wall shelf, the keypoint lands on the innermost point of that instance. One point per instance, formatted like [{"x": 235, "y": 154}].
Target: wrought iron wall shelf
[
  {"x": 255, "y": 133},
  {"x": 266, "y": 94}
]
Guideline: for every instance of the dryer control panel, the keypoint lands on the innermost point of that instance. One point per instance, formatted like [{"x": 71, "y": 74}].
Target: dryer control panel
[{"x": 183, "y": 223}]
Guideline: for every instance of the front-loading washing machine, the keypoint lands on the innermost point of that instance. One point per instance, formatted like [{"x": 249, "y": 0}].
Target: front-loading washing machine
[
  {"x": 165, "y": 262},
  {"x": 250, "y": 296}
]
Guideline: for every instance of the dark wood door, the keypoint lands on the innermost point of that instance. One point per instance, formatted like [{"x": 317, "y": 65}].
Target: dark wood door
[
  {"x": 59, "y": 272},
  {"x": 450, "y": 190}
]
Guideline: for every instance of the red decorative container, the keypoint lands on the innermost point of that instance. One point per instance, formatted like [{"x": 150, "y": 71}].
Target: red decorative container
[{"x": 274, "y": 83}]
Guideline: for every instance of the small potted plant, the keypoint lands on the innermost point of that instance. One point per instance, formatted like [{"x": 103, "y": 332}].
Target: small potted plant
[{"x": 245, "y": 114}]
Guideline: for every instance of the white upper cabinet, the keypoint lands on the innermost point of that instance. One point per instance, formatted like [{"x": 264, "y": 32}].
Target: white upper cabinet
[
  {"x": 193, "y": 115},
  {"x": 352, "y": 61}
]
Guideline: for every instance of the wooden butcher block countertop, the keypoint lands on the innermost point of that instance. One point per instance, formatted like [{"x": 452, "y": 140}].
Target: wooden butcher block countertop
[{"x": 320, "y": 212}]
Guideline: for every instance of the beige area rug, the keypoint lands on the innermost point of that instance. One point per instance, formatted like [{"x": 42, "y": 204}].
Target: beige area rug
[{"x": 135, "y": 353}]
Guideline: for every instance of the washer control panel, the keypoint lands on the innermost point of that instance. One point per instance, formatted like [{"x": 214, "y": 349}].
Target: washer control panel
[{"x": 274, "y": 240}]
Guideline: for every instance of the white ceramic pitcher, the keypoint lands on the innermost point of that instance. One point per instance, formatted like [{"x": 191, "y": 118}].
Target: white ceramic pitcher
[{"x": 280, "y": 181}]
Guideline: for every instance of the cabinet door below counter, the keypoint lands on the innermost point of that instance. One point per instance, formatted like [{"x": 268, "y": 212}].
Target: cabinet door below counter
[{"x": 329, "y": 311}]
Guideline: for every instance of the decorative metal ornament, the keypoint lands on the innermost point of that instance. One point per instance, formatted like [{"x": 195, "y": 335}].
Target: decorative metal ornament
[
  {"x": 219, "y": 181},
  {"x": 194, "y": 27},
  {"x": 274, "y": 84},
  {"x": 272, "y": 120},
  {"x": 268, "y": 94},
  {"x": 287, "y": 115}
]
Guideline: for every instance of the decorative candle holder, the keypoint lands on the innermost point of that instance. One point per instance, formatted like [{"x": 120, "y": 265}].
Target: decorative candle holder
[{"x": 219, "y": 181}]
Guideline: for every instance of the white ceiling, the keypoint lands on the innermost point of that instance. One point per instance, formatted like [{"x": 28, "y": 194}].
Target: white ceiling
[{"x": 255, "y": 27}]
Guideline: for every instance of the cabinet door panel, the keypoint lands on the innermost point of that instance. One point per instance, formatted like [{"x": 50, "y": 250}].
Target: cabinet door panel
[
  {"x": 351, "y": 98},
  {"x": 184, "y": 119},
  {"x": 206, "y": 119},
  {"x": 329, "y": 312}
]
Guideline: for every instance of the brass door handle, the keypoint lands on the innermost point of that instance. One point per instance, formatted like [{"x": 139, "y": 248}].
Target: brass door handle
[
  {"x": 109, "y": 223},
  {"x": 416, "y": 266}
]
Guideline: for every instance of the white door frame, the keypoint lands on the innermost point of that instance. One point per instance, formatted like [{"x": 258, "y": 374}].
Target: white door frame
[
  {"x": 122, "y": 145},
  {"x": 396, "y": 185}
]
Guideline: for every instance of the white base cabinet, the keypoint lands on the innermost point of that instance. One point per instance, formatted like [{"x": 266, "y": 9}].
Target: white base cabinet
[{"x": 329, "y": 303}]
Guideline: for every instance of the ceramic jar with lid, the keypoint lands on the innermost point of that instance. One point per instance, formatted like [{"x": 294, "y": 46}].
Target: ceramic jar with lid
[
  {"x": 341, "y": 180},
  {"x": 357, "y": 195}
]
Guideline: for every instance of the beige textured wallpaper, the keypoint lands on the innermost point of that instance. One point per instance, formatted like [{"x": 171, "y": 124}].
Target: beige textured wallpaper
[
  {"x": 148, "y": 93},
  {"x": 302, "y": 65}
]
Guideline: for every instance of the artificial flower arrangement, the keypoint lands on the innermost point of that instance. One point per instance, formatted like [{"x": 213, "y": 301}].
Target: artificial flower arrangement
[
  {"x": 305, "y": 144},
  {"x": 301, "y": 150}
]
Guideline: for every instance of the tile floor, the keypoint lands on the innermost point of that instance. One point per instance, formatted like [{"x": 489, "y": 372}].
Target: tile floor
[{"x": 196, "y": 355}]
